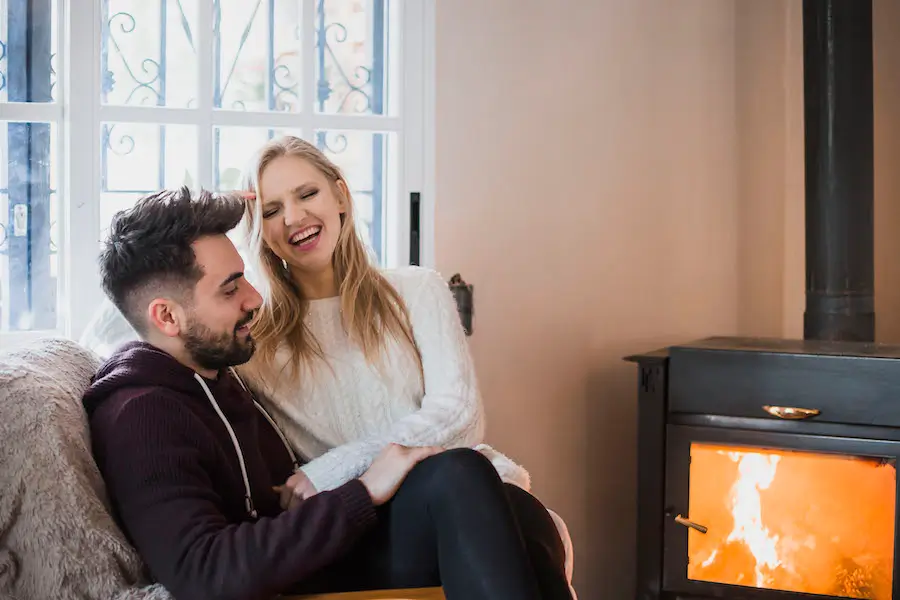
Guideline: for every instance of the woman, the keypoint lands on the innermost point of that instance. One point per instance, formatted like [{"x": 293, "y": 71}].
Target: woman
[{"x": 349, "y": 358}]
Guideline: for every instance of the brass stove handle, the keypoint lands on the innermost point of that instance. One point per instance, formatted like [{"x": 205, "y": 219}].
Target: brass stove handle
[
  {"x": 791, "y": 412},
  {"x": 688, "y": 523}
]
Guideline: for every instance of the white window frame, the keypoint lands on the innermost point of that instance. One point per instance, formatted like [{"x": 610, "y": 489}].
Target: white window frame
[{"x": 78, "y": 114}]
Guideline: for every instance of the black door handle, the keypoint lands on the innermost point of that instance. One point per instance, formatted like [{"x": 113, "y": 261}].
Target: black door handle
[{"x": 415, "y": 229}]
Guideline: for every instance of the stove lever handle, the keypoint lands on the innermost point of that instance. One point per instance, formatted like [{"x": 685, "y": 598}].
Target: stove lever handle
[
  {"x": 688, "y": 523},
  {"x": 791, "y": 412}
]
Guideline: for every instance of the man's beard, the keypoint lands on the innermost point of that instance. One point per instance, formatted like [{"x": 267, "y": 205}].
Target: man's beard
[{"x": 218, "y": 351}]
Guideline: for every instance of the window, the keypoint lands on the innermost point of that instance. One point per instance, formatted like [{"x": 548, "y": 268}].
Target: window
[{"x": 103, "y": 101}]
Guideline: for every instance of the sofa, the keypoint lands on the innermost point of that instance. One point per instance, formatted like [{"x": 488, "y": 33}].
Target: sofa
[{"x": 58, "y": 540}]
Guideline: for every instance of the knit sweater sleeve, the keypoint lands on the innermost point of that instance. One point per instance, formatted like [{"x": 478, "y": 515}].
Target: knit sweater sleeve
[
  {"x": 167, "y": 504},
  {"x": 451, "y": 413}
]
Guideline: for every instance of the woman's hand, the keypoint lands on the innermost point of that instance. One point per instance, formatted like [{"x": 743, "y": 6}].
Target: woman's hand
[
  {"x": 296, "y": 489},
  {"x": 246, "y": 196}
]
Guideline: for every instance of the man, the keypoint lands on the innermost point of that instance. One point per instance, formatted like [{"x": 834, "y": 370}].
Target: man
[{"x": 195, "y": 469}]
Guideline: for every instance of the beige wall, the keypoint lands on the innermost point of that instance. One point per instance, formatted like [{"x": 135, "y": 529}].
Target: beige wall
[
  {"x": 587, "y": 186},
  {"x": 761, "y": 95},
  {"x": 769, "y": 84},
  {"x": 887, "y": 174}
]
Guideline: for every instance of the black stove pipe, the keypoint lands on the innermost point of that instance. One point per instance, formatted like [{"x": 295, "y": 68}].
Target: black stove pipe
[{"x": 839, "y": 157}]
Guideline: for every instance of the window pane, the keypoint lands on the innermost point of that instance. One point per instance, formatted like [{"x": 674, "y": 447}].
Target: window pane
[
  {"x": 366, "y": 160},
  {"x": 147, "y": 54},
  {"x": 352, "y": 41},
  {"x": 140, "y": 158},
  {"x": 28, "y": 42},
  {"x": 257, "y": 55},
  {"x": 234, "y": 148},
  {"x": 28, "y": 227}
]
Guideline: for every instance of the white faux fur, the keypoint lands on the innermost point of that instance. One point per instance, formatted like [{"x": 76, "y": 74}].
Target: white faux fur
[{"x": 57, "y": 538}]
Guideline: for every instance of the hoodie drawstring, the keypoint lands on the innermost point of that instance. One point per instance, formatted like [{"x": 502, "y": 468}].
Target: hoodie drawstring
[
  {"x": 271, "y": 421},
  {"x": 248, "y": 499}
]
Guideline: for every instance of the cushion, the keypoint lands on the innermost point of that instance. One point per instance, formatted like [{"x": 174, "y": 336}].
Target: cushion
[
  {"x": 107, "y": 330},
  {"x": 57, "y": 537}
]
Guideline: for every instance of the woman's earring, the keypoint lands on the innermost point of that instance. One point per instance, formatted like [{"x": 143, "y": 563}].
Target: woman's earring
[{"x": 284, "y": 264}]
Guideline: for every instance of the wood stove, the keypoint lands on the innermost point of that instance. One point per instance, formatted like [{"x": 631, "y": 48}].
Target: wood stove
[{"x": 767, "y": 468}]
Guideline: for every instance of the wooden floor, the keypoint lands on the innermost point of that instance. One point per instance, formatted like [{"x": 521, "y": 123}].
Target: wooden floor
[{"x": 411, "y": 594}]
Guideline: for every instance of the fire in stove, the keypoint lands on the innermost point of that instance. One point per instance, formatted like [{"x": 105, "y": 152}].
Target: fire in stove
[{"x": 793, "y": 521}]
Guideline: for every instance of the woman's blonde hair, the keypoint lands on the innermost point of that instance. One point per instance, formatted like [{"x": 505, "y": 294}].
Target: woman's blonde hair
[{"x": 372, "y": 310}]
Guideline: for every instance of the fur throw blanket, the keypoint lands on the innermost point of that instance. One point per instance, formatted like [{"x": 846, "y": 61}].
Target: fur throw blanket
[{"x": 57, "y": 538}]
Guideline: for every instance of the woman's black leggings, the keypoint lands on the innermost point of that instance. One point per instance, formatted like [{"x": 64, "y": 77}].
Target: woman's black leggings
[{"x": 454, "y": 523}]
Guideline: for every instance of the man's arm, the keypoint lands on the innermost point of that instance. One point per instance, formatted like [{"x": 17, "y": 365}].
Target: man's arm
[{"x": 168, "y": 506}]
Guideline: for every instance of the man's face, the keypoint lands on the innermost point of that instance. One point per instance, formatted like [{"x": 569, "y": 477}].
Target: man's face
[{"x": 216, "y": 333}]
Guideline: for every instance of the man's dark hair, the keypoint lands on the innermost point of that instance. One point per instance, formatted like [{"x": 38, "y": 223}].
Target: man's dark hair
[{"x": 148, "y": 250}]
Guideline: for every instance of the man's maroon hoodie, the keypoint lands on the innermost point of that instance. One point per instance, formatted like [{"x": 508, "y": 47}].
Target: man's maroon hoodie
[{"x": 175, "y": 480}]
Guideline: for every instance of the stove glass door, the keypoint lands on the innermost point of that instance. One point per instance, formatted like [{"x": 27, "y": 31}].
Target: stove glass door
[{"x": 777, "y": 516}]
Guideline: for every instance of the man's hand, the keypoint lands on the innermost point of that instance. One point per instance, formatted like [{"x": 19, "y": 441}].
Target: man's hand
[
  {"x": 297, "y": 488},
  {"x": 391, "y": 467}
]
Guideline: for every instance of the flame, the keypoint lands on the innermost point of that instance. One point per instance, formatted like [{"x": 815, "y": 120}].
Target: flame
[
  {"x": 755, "y": 472},
  {"x": 792, "y": 520}
]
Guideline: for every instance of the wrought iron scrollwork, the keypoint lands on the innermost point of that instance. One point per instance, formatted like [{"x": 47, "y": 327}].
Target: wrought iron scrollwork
[
  {"x": 283, "y": 93},
  {"x": 283, "y": 83},
  {"x": 123, "y": 146},
  {"x": 357, "y": 85},
  {"x": 185, "y": 25},
  {"x": 148, "y": 77},
  {"x": 245, "y": 34},
  {"x": 52, "y": 76},
  {"x": 2, "y": 73},
  {"x": 333, "y": 142},
  {"x": 153, "y": 71}
]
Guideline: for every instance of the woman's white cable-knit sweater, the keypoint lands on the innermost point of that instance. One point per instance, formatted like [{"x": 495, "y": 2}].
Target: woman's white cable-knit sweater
[{"x": 340, "y": 418}]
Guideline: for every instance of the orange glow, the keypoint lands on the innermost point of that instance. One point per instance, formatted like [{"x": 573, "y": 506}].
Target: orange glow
[{"x": 793, "y": 521}]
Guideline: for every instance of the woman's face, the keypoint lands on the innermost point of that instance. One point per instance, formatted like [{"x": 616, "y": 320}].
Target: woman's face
[{"x": 301, "y": 213}]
